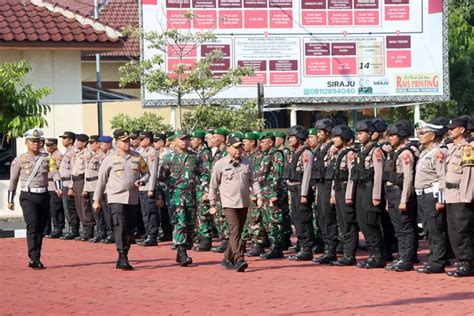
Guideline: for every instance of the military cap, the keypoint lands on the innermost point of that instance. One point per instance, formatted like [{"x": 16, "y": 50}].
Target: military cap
[
  {"x": 365, "y": 126},
  {"x": 159, "y": 136},
  {"x": 342, "y": 131},
  {"x": 312, "y": 131},
  {"x": 146, "y": 134},
  {"x": 120, "y": 134},
  {"x": 234, "y": 140},
  {"x": 398, "y": 128},
  {"x": 93, "y": 139},
  {"x": 82, "y": 137},
  {"x": 250, "y": 136},
  {"x": 34, "y": 134},
  {"x": 198, "y": 134},
  {"x": 268, "y": 135},
  {"x": 221, "y": 131},
  {"x": 325, "y": 124},
  {"x": 280, "y": 134},
  {"x": 298, "y": 131},
  {"x": 105, "y": 139},
  {"x": 69, "y": 135},
  {"x": 379, "y": 125},
  {"x": 51, "y": 141},
  {"x": 180, "y": 134},
  {"x": 135, "y": 133},
  {"x": 459, "y": 121}
]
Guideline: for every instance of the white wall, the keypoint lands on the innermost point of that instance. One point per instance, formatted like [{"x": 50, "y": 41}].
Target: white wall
[{"x": 61, "y": 72}]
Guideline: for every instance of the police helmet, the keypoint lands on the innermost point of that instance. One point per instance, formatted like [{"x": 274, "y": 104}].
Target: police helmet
[
  {"x": 325, "y": 124},
  {"x": 365, "y": 126},
  {"x": 342, "y": 131},
  {"x": 298, "y": 131}
]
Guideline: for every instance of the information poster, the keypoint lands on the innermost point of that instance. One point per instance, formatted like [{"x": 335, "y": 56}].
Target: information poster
[{"x": 314, "y": 51}]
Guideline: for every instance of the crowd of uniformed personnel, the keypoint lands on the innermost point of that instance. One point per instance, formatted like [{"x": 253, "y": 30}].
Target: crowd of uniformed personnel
[{"x": 327, "y": 181}]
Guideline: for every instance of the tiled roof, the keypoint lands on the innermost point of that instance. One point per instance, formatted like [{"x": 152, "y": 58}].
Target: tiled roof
[{"x": 33, "y": 21}]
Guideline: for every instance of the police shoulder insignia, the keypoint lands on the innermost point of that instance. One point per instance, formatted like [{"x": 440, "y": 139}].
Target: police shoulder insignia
[
  {"x": 440, "y": 156},
  {"x": 378, "y": 154},
  {"x": 152, "y": 157},
  {"x": 406, "y": 157},
  {"x": 351, "y": 156}
]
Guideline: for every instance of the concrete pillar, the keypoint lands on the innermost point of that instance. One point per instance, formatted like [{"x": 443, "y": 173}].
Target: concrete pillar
[
  {"x": 293, "y": 117},
  {"x": 417, "y": 114},
  {"x": 173, "y": 117}
]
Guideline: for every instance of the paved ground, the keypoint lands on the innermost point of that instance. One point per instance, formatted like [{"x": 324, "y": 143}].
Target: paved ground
[{"x": 80, "y": 278}]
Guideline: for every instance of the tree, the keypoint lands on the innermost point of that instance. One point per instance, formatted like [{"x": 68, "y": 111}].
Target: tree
[
  {"x": 20, "y": 103},
  {"x": 147, "y": 121},
  {"x": 207, "y": 116}
]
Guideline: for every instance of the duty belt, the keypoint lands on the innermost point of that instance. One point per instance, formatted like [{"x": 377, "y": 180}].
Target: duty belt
[
  {"x": 50, "y": 179},
  {"x": 65, "y": 179},
  {"x": 35, "y": 190},
  {"x": 92, "y": 178},
  {"x": 424, "y": 191},
  {"x": 450, "y": 185},
  {"x": 76, "y": 178}
]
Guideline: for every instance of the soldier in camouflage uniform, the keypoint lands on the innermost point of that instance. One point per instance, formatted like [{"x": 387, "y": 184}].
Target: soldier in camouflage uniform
[
  {"x": 180, "y": 171},
  {"x": 219, "y": 139},
  {"x": 270, "y": 177},
  {"x": 280, "y": 138},
  {"x": 204, "y": 218}
]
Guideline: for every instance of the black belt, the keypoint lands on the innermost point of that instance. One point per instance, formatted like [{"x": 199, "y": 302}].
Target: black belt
[
  {"x": 450, "y": 185},
  {"x": 92, "y": 178},
  {"x": 50, "y": 179},
  {"x": 77, "y": 178},
  {"x": 65, "y": 179}
]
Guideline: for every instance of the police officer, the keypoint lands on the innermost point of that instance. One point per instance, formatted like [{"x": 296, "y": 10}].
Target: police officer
[
  {"x": 364, "y": 190},
  {"x": 337, "y": 171},
  {"x": 398, "y": 175},
  {"x": 55, "y": 202},
  {"x": 31, "y": 170},
  {"x": 149, "y": 210},
  {"x": 301, "y": 195},
  {"x": 120, "y": 175},
  {"x": 459, "y": 197},
  {"x": 106, "y": 149},
  {"x": 65, "y": 169},
  {"x": 326, "y": 211},
  {"x": 429, "y": 186}
]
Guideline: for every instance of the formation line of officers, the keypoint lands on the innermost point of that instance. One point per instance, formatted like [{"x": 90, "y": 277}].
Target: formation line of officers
[{"x": 251, "y": 189}]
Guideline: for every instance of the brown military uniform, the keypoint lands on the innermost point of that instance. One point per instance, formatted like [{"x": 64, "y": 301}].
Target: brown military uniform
[{"x": 69, "y": 205}]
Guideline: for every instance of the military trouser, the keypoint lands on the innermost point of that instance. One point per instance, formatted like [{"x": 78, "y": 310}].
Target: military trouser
[
  {"x": 56, "y": 211},
  {"x": 436, "y": 227},
  {"x": 327, "y": 216},
  {"x": 254, "y": 228},
  {"x": 35, "y": 212},
  {"x": 273, "y": 219},
  {"x": 368, "y": 217},
  {"x": 221, "y": 222},
  {"x": 125, "y": 218},
  {"x": 403, "y": 222},
  {"x": 100, "y": 226},
  {"x": 302, "y": 217},
  {"x": 204, "y": 218},
  {"x": 150, "y": 214},
  {"x": 70, "y": 211},
  {"x": 182, "y": 208},
  {"x": 346, "y": 221},
  {"x": 83, "y": 206},
  {"x": 460, "y": 219}
]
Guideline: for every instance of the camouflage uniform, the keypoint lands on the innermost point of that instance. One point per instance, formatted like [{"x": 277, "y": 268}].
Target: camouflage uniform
[
  {"x": 204, "y": 218},
  {"x": 220, "y": 220},
  {"x": 254, "y": 228}
]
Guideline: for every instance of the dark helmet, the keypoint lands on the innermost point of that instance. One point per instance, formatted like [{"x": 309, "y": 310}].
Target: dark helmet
[
  {"x": 365, "y": 126},
  {"x": 402, "y": 129},
  {"x": 342, "y": 131},
  {"x": 325, "y": 124},
  {"x": 298, "y": 131},
  {"x": 441, "y": 121},
  {"x": 470, "y": 122},
  {"x": 379, "y": 125}
]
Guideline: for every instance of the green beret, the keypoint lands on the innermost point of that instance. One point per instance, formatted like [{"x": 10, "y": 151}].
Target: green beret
[
  {"x": 259, "y": 135},
  {"x": 221, "y": 131},
  {"x": 280, "y": 134},
  {"x": 181, "y": 134},
  {"x": 269, "y": 135},
  {"x": 237, "y": 135},
  {"x": 250, "y": 136},
  {"x": 312, "y": 131},
  {"x": 198, "y": 134}
]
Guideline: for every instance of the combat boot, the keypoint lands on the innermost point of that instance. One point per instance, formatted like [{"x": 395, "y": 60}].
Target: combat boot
[
  {"x": 275, "y": 252},
  {"x": 328, "y": 257},
  {"x": 222, "y": 247},
  {"x": 35, "y": 264},
  {"x": 57, "y": 233},
  {"x": 182, "y": 257},
  {"x": 255, "y": 251},
  {"x": 205, "y": 244},
  {"x": 88, "y": 234},
  {"x": 72, "y": 234},
  {"x": 150, "y": 241},
  {"x": 345, "y": 261},
  {"x": 303, "y": 255},
  {"x": 376, "y": 261},
  {"x": 464, "y": 269},
  {"x": 318, "y": 247},
  {"x": 122, "y": 261}
]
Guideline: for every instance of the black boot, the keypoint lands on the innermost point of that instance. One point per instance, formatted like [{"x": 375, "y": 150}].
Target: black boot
[
  {"x": 400, "y": 266},
  {"x": 88, "y": 234},
  {"x": 255, "y": 251},
  {"x": 72, "y": 234},
  {"x": 429, "y": 269},
  {"x": 110, "y": 239},
  {"x": 318, "y": 247},
  {"x": 57, "y": 233},
  {"x": 345, "y": 261},
  {"x": 377, "y": 261},
  {"x": 150, "y": 241},
  {"x": 303, "y": 255},
  {"x": 275, "y": 252},
  {"x": 464, "y": 269},
  {"x": 35, "y": 264},
  {"x": 205, "y": 244},
  {"x": 122, "y": 261},
  {"x": 222, "y": 247},
  {"x": 328, "y": 257},
  {"x": 182, "y": 257}
]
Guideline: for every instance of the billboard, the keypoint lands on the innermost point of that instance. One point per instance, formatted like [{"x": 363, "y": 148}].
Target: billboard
[{"x": 315, "y": 51}]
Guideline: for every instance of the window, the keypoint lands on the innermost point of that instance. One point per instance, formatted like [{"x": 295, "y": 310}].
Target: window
[{"x": 7, "y": 154}]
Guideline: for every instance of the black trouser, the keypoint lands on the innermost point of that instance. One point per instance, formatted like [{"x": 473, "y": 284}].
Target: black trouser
[
  {"x": 125, "y": 218},
  {"x": 139, "y": 225},
  {"x": 165, "y": 219},
  {"x": 460, "y": 218},
  {"x": 302, "y": 217},
  {"x": 56, "y": 210},
  {"x": 70, "y": 211},
  {"x": 346, "y": 221},
  {"x": 327, "y": 218},
  {"x": 83, "y": 205},
  {"x": 35, "y": 212},
  {"x": 436, "y": 227},
  {"x": 150, "y": 215},
  {"x": 403, "y": 222},
  {"x": 388, "y": 232},
  {"x": 368, "y": 217},
  {"x": 99, "y": 219},
  {"x": 109, "y": 223}
]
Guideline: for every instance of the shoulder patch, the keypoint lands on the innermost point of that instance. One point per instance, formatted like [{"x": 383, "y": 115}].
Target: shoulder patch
[
  {"x": 440, "y": 156},
  {"x": 378, "y": 154},
  {"x": 305, "y": 157},
  {"x": 406, "y": 157},
  {"x": 152, "y": 157}
]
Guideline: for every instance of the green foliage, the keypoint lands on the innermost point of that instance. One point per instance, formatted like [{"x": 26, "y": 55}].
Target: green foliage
[
  {"x": 208, "y": 116},
  {"x": 20, "y": 103},
  {"x": 147, "y": 121}
]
